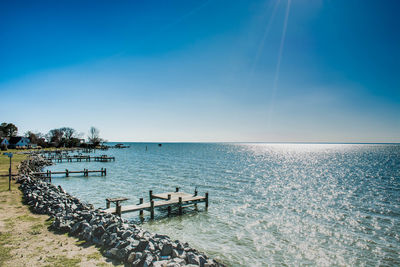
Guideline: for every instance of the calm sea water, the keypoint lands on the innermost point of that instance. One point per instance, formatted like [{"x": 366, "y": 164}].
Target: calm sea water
[{"x": 270, "y": 204}]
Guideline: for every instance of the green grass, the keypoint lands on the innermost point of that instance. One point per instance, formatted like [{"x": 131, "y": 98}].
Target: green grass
[
  {"x": 27, "y": 218},
  {"x": 62, "y": 261},
  {"x": 36, "y": 229},
  {"x": 4, "y": 249},
  {"x": 94, "y": 256},
  {"x": 5, "y": 161}
]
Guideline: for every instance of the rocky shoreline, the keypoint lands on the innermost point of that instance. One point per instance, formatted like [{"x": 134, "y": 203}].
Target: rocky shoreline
[{"x": 119, "y": 239}]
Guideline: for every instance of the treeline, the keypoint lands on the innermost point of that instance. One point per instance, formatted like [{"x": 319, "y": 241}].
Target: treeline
[{"x": 59, "y": 137}]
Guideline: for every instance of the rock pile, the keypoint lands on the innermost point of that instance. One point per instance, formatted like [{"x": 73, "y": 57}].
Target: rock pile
[
  {"x": 120, "y": 239},
  {"x": 34, "y": 163}
]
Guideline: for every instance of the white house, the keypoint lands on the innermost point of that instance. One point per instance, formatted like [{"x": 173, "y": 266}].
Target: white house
[{"x": 17, "y": 142}]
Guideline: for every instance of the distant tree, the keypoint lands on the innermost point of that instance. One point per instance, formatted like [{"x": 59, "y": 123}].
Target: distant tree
[
  {"x": 68, "y": 138},
  {"x": 8, "y": 130},
  {"x": 32, "y": 137},
  {"x": 36, "y": 138},
  {"x": 55, "y": 137},
  {"x": 94, "y": 136},
  {"x": 68, "y": 132}
]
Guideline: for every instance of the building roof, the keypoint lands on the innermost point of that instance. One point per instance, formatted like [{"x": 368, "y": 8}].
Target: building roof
[{"x": 15, "y": 139}]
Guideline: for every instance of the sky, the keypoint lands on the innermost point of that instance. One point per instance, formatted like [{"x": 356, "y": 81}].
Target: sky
[{"x": 203, "y": 70}]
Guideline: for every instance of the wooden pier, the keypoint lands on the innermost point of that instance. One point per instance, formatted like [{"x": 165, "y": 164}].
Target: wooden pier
[
  {"x": 79, "y": 158},
  {"x": 85, "y": 172},
  {"x": 168, "y": 200}
]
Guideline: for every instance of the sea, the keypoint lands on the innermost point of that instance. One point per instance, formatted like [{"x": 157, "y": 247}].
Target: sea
[{"x": 270, "y": 204}]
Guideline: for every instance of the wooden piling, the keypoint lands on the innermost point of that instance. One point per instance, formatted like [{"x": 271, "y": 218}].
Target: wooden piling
[
  {"x": 107, "y": 203},
  {"x": 141, "y": 211},
  {"x": 151, "y": 195},
  {"x": 176, "y": 189},
  {"x": 206, "y": 200},
  {"x": 180, "y": 205},
  {"x": 118, "y": 209},
  {"x": 169, "y": 196},
  {"x": 67, "y": 172},
  {"x": 152, "y": 209}
]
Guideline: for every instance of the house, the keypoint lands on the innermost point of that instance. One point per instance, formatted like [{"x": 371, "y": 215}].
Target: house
[
  {"x": 4, "y": 141},
  {"x": 18, "y": 142}
]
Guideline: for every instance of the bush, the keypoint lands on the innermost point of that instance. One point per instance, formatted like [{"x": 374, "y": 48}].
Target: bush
[{"x": 3, "y": 147}]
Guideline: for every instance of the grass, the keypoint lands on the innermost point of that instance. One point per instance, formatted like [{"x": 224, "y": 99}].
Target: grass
[
  {"x": 4, "y": 247},
  {"x": 62, "y": 261},
  {"x": 36, "y": 229},
  {"x": 16, "y": 160},
  {"x": 94, "y": 256}
]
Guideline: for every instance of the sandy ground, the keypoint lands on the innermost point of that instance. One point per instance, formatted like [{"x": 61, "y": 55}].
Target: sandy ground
[{"x": 26, "y": 241}]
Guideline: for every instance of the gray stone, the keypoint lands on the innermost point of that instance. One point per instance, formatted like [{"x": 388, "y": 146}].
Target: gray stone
[
  {"x": 112, "y": 253},
  {"x": 202, "y": 260},
  {"x": 148, "y": 260},
  {"x": 177, "y": 253},
  {"x": 131, "y": 257},
  {"x": 76, "y": 228},
  {"x": 99, "y": 231},
  {"x": 166, "y": 249},
  {"x": 126, "y": 234},
  {"x": 193, "y": 258},
  {"x": 162, "y": 263},
  {"x": 142, "y": 245}
]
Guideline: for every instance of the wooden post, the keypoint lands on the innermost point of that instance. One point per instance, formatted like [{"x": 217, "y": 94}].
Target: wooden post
[
  {"x": 169, "y": 196},
  {"x": 118, "y": 209},
  {"x": 152, "y": 209},
  {"x": 101, "y": 171},
  {"x": 107, "y": 203},
  {"x": 169, "y": 210},
  {"x": 151, "y": 195},
  {"x": 105, "y": 171},
  {"x": 176, "y": 189},
  {"x": 67, "y": 172},
  {"x": 206, "y": 200},
  {"x": 180, "y": 205},
  {"x": 141, "y": 211},
  {"x": 195, "y": 192}
]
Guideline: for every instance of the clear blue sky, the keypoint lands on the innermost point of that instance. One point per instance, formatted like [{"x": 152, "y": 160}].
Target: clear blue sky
[{"x": 289, "y": 71}]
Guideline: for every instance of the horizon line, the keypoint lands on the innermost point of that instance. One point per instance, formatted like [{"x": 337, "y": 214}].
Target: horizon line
[{"x": 250, "y": 142}]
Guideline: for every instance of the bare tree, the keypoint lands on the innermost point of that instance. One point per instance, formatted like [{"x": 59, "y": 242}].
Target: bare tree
[
  {"x": 94, "y": 136},
  {"x": 68, "y": 132}
]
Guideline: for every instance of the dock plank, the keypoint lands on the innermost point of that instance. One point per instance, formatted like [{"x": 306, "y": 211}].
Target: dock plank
[{"x": 161, "y": 203}]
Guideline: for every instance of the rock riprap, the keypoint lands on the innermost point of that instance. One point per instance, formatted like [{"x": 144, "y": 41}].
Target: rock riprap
[{"x": 120, "y": 239}]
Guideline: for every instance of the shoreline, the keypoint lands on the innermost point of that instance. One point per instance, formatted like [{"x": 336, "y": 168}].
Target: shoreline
[{"x": 118, "y": 239}]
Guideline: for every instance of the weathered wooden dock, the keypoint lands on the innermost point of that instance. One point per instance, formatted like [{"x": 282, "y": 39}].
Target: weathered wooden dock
[
  {"x": 79, "y": 158},
  {"x": 85, "y": 172},
  {"x": 168, "y": 200}
]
